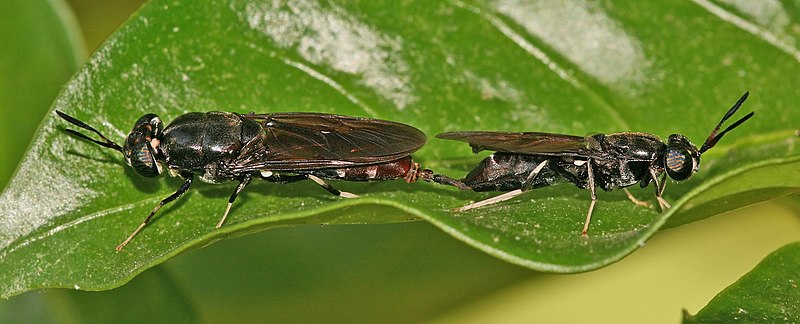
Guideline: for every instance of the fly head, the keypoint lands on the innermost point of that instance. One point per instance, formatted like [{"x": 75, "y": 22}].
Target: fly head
[
  {"x": 141, "y": 146},
  {"x": 681, "y": 158}
]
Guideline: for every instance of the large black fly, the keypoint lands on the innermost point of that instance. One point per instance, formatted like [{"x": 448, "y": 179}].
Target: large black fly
[
  {"x": 280, "y": 147},
  {"x": 610, "y": 161}
]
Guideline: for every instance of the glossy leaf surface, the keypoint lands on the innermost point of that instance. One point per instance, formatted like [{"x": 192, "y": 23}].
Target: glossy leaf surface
[{"x": 655, "y": 67}]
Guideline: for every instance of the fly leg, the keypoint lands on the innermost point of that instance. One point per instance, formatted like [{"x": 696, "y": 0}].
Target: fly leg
[
  {"x": 660, "y": 190},
  {"x": 242, "y": 183},
  {"x": 508, "y": 195},
  {"x": 594, "y": 198},
  {"x": 274, "y": 177},
  {"x": 185, "y": 187},
  {"x": 329, "y": 188},
  {"x": 634, "y": 200},
  {"x": 662, "y": 201}
]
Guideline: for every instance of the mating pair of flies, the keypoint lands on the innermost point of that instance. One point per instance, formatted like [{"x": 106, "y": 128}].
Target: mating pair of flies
[{"x": 287, "y": 147}]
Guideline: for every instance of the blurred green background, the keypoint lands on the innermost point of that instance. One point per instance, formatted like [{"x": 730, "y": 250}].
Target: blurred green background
[{"x": 378, "y": 273}]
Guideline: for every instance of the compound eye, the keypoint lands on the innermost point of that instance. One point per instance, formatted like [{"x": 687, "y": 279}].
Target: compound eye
[
  {"x": 679, "y": 163},
  {"x": 140, "y": 156}
]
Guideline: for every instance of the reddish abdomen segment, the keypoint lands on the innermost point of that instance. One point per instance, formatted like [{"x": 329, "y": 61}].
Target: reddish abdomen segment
[{"x": 382, "y": 171}]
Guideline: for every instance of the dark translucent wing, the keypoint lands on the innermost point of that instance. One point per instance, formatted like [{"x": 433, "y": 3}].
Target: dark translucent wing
[
  {"x": 522, "y": 143},
  {"x": 297, "y": 141}
]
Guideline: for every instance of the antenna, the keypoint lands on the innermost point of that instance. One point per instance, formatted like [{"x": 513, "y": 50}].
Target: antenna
[
  {"x": 714, "y": 137},
  {"x": 105, "y": 143}
]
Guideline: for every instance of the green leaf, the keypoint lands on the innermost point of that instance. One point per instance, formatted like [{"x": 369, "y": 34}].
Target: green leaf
[
  {"x": 41, "y": 50},
  {"x": 767, "y": 294},
  {"x": 154, "y": 296},
  {"x": 418, "y": 270},
  {"x": 444, "y": 66},
  {"x": 151, "y": 297}
]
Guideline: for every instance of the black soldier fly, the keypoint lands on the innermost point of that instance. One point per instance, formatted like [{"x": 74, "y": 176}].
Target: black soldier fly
[
  {"x": 610, "y": 161},
  {"x": 278, "y": 147}
]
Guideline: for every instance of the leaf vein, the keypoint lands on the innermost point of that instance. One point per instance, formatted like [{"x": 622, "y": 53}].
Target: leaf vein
[
  {"x": 541, "y": 56},
  {"x": 749, "y": 27},
  {"x": 332, "y": 83}
]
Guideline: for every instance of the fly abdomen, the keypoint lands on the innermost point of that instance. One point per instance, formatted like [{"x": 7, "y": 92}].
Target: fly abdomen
[
  {"x": 505, "y": 172},
  {"x": 382, "y": 171}
]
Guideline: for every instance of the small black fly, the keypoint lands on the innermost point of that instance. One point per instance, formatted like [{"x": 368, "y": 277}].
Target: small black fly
[
  {"x": 610, "y": 161},
  {"x": 279, "y": 147}
]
